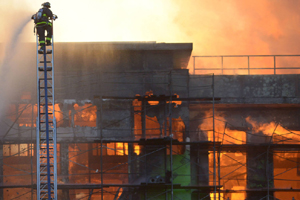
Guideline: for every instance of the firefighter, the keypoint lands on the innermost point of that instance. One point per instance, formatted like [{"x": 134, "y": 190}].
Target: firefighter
[{"x": 42, "y": 20}]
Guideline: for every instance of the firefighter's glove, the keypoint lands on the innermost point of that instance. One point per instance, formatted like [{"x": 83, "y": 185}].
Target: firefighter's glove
[{"x": 55, "y": 17}]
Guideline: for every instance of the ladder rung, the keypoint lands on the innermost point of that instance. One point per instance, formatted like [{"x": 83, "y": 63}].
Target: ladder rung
[
  {"x": 48, "y": 68},
  {"x": 46, "y": 196},
  {"x": 47, "y": 96},
  {"x": 48, "y": 51},
  {"x": 46, "y": 147},
  {"x": 41, "y": 79},
  {"x": 46, "y": 184},
  {"x": 46, "y": 157},
  {"x": 45, "y": 130},
  {"x": 43, "y": 193},
  {"x": 49, "y": 113},
  {"x": 46, "y": 139},
  {"x": 44, "y": 87},
  {"x": 45, "y": 165},
  {"x": 46, "y": 174},
  {"x": 47, "y": 61}
]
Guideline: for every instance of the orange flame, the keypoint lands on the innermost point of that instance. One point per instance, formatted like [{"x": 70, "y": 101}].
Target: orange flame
[{"x": 86, "y": 115}]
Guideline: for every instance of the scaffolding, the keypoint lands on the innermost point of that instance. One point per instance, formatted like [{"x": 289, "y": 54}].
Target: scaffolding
[{"x": 145, "y": 151}]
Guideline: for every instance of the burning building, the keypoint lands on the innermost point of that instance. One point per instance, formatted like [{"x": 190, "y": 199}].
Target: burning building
[{"x": 132, "y": 123}]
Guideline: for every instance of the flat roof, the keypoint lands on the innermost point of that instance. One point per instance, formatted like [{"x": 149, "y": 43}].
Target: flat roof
[{"x": 131, "y": 45}]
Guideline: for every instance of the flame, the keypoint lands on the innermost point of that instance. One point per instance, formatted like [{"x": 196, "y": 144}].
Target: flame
[
  {"x": 110, "y": 149},
  {"x": 120, "y": 149},
  {"x": 137, "y": 149},
  {"x": 222, "y": 133},
  {"x": 279, "y": 133},
  {"x": 286, "y": 173},
  {"x": 233, "y": 173},
  {"x": 153, "y": 127},
  {"x": 213, "y": 196},
  {"x": 58, "y": 115},
  {"x": 238, "y": 196},
  {"x": 227, "y": 134},
  {"x": 27, "y": 113},
  {"x": 150, "y": 93},
  {"x": 86, "y": 115},
  {"x": 78, "y": 163},
  {"x": 265, "y": 128}
]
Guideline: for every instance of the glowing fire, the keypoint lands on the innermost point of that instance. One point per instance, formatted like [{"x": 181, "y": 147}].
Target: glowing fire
[
  {"x": 228, "y": 135},
  {"x": 114, "y": 149},
  {"x": 86, "y": 115},
  {"x": 137, "y": 149},
  {"x": 233, "y": 165},
  {"x": 153, "y": 127},
  {"x": 25, "y": 114},
  {"x": 279, "y": 133},
  {"x": 222, "y": 133},
  {"x": 238, "y": 196},
  {"x": 213, "y": 196}
]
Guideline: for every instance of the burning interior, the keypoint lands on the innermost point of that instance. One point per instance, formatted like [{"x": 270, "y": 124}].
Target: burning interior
[{"x": 132, "y": 123}]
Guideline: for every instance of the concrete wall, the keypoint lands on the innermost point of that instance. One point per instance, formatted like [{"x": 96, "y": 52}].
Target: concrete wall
[
  {"x": 250, "y": 89},
  {"x": 266, "y": 98}
]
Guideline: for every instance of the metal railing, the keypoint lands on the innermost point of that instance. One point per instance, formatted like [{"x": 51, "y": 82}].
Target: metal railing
[{"x": 248, "y": 68}]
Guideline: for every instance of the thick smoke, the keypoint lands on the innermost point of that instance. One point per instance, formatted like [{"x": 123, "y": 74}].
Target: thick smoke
[
  {"x": 14, "y": 55},
  {"x": 240, "y": 27},
  {"x": 11, "y": 48},
  {"x": 9, "y": 73},
  {"x": 214, "y": 27}
]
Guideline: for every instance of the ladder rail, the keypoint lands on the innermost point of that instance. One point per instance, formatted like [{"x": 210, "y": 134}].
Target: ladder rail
[
  {"x": 38, "y": 182},
  {"x": 54, "y": 120},
  {"x": 47, "y": 120},
  {"x": 46, "y": 127}
]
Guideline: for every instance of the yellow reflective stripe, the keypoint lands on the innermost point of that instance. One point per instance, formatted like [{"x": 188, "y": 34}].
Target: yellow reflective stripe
[
  {"x": 48, "y": 23},
  {"x": 41, "y": 23},
  {"x": 48, "y": 38},
  {"x": 42, "y": 42},
  {"x": 44, "y": 15}
]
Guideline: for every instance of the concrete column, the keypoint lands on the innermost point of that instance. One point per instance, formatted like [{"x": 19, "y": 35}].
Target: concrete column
[
  {"x": 64, "y": 165},
  {"x": 132, "y": 169},
  {"x": 199, "y": 171},
  {"x": 259, "y": 172}
]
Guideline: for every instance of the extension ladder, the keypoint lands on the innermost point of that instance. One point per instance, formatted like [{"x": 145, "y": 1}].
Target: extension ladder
[{"x": 46, "y": 126}]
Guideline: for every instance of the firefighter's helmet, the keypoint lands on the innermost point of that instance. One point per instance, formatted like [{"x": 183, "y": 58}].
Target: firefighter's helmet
[{"x": 46, "y": 4}]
